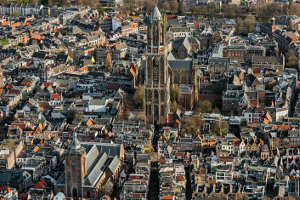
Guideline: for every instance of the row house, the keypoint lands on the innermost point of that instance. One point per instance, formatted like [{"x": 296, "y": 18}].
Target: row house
[
  {"x": 114, "y": 83},
  {"x": 24, "y": 8},
  {"x": 8, "y": 53},
  {"x": 14, "y": 40},
  {"x": 126, "y": 30},
  {"x": 253, "y": 115},
  {"x": 182, "y": 144},
  {"x": 241, "y": 52},
  {"x": 99, "y": 54},
  {"x": 285, "y": 37},
  {"x": 230, "y": 99},
  {"x": 125, "y": 126}
]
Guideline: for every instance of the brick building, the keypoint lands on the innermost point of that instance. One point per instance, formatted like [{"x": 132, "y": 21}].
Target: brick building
[
  {"x": 291, "y": 21},
  {"x": 88, "y": 167},
  {"x": 10, "y": 150}
]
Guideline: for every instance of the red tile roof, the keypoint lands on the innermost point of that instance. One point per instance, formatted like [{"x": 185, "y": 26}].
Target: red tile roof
[{"x": 40, "y": 185}]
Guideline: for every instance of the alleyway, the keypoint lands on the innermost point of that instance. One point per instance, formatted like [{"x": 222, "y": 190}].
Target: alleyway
[{"x": 154, "y": 184}]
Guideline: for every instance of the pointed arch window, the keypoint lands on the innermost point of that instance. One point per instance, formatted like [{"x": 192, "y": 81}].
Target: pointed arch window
[{"x": 155, "y": 71}]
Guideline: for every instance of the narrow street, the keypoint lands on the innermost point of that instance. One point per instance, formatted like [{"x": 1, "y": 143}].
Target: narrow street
[
  {"x": 188, "y": 189},
  {"x": 154, "y": 182},
  {"x": 295, "y": 99}
]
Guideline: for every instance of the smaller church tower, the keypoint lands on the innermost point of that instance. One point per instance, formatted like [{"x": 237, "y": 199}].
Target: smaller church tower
[{"x": 75, "y": 168}]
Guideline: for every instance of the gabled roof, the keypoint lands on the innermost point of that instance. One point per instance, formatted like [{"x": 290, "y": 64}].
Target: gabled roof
[
  {"x": 40, "y": 185},
  {"x": 96, "y": 172},
  {"x": 114, "y": 164}
]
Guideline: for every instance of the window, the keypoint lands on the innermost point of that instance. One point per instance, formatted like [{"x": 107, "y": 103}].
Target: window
[{"x": 155, "y": 71}]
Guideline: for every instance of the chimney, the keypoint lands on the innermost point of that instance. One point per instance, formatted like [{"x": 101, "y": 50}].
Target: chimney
[{"x": 273, "y": 21}]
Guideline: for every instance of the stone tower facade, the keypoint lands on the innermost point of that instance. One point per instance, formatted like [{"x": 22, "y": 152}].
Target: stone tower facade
[
  {"x": 75, "y": 164},
  {"x": 157, "y": 82},
  {"x": 1, "y": 79}
]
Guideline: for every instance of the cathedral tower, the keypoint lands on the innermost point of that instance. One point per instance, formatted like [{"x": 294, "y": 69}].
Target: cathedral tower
[
  {"x": 1, "y": 79},
  {"x": 157, "y": 83}
]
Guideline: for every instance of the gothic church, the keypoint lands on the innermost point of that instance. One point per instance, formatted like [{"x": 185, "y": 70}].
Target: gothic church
[{"x": 162, "y": 71}]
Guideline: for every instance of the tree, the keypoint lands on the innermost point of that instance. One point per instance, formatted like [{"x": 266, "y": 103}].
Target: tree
[
  {"x": 127, "y": 101},
  {"x": 149, "y": 6},
  {"x": 108, "y": 65},
  {"x": 220, "y": 128},
  {"x": 180, "y": 8},
  {"x": 50, "y": 3},
  {"x": 173, "y": 6},
  {"x": 198, "y": 122},
  {"x": 239, "y": 24},
  {"x": 269, "y": 85},
  {"x": 95, "y": 5},
  {"x": 291, "y": 59},
  {"x": 174, "y": 93},
  {"x": 21, "y": 45},
  {"x": 139, "y": 4},
  {"x": 173, "y": 106},
  {"x": 249, "y": 23},
  {"x": 129, "y": 3},
  {"x": 78, "y": 116},
  {"x": 166, "y": 6},
  {"x": 205, "y": 106},
  {"x": 191, "y": 125},
  {"x": 35, "y": 2},
  {"x": 216, "y": 110},
  {"x": 200, "y": 10},
  {"x": 216, "y": 37},
  {"x": 139, "y": 96},
  {"x": 15, "y": 13},
  {"x": 66, "y": 3}
]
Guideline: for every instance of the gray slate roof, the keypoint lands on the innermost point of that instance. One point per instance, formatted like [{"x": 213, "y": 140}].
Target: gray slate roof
[
  {"x": 91, "y": 156},
  {"x": 97, "y": 171},
  {"x": 114, "y": 164}
]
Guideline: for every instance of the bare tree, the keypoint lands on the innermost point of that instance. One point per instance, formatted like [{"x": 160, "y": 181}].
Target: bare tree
[
  {"x": 129, "y": 3},
  {"x": 173, "y": 6},
  {"x": 50, "y": 3},
  {"x": 149, "y": 6},
  {"x": 166, "y": 6}
]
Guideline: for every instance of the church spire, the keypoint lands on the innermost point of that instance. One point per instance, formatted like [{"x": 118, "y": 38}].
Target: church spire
[
  {"x": 156, "y": 15},
  {"x": 75, "y": 144}
]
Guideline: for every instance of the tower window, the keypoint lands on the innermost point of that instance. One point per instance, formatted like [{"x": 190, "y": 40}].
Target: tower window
[
  {"x": 155, "y": 71},
  {"x": 74, "y": 192},
  {"x": 162, "y": 110},
  {"x": 155, "y": 96}
]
